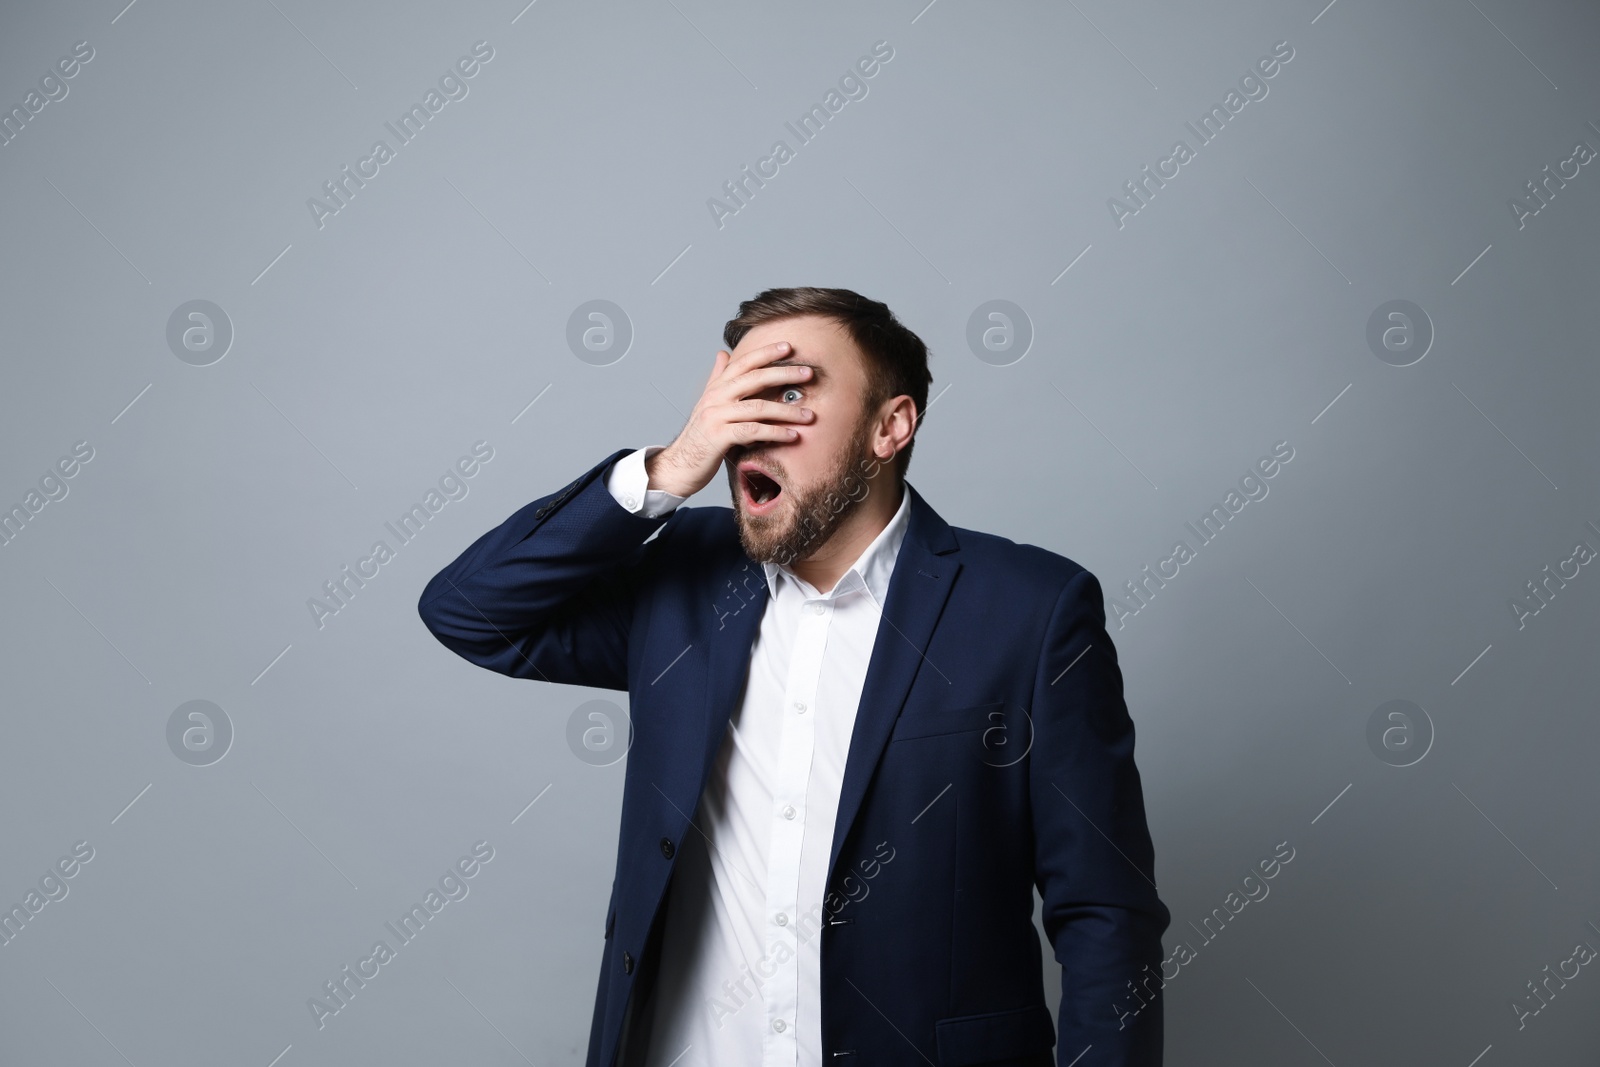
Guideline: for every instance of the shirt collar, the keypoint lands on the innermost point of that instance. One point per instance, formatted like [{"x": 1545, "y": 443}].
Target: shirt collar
[{"x": 871, "y": 570}]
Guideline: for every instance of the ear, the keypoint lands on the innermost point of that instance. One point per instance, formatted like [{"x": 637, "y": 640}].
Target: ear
[{"x": 896, "y": 427}]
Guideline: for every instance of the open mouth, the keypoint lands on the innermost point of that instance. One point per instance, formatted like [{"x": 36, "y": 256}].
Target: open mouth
[{"x": 761, "y": 490}]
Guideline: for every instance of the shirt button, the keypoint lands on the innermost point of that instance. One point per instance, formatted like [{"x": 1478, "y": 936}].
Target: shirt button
[
  {"x": 783, "y": 920},
  {"x": 816, "y": 609},
  {"x": 778, "y": 1025},
  {"x": 628, "y": 500},
  {"x": 788, "y": 811},
  {"x": 801, "y": 708}
]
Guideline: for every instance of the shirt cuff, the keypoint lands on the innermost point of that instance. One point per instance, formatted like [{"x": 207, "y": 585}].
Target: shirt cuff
[{"x": 628, "y": 483}]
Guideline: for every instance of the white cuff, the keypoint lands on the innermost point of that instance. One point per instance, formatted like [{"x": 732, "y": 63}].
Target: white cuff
[{"x": 628, "y": 483}]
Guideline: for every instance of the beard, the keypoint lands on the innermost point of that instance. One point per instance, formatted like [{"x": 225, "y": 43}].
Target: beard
[{"x": 812, "y": 514}]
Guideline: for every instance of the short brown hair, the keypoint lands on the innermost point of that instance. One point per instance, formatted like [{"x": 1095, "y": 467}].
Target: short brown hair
[{"x": 896, "y": 358}]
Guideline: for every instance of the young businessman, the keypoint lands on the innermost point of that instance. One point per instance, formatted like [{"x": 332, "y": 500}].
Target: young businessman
[{"x": 861, "y": 736}]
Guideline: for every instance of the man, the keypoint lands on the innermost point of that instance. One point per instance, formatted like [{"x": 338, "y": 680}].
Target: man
[{"x": 861, "y": 736}]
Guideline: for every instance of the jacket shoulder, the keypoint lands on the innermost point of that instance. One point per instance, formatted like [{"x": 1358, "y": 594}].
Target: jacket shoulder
[{"x": 1011, "y": 563}]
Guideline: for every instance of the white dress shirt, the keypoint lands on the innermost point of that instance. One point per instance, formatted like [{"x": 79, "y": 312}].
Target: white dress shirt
[{"x": 740, "y": 970}]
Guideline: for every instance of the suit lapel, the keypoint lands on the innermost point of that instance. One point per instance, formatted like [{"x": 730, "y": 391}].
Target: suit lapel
[
  {"x": 924, "y": 572},
  {"x": 741, "y": 591}
]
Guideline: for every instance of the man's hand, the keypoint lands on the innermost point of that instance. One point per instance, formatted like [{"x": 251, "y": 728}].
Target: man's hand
[{"x": 728, "y": 414}]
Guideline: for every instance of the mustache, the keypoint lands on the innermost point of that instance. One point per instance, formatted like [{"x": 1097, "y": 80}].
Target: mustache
[{"x": 739, "y": 453}]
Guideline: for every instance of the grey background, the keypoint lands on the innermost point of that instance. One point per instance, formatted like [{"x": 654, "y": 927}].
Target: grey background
[{"x": 369, "y": 354}]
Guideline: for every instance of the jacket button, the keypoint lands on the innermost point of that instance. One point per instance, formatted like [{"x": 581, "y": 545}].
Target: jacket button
[
  {"x": 666, "y": 847},
  {"x": 627, "y": 963}
]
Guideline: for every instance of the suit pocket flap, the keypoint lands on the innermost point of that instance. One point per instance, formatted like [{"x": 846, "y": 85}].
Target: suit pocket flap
[
  {"x": 995, "y": 1035},
  {"x": 946, "y": 720}
]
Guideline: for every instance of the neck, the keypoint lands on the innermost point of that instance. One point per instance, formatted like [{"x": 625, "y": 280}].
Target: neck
[{"x": 827, "y": 565}]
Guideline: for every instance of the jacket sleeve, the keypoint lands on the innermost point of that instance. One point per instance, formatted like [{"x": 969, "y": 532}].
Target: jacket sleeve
[
  {"x": 549, "y": 593},
  {"x": 1093, "y": 859}
]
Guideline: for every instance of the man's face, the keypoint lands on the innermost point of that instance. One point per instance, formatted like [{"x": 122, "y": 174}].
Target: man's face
[{"x": 821, "y": 466}]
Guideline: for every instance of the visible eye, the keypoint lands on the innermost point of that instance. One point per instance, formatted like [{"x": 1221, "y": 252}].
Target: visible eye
[{"x": 795, "y": 399}]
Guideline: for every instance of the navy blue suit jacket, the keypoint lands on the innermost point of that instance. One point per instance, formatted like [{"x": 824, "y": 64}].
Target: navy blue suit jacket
[{"x": 992, "y": 752}]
